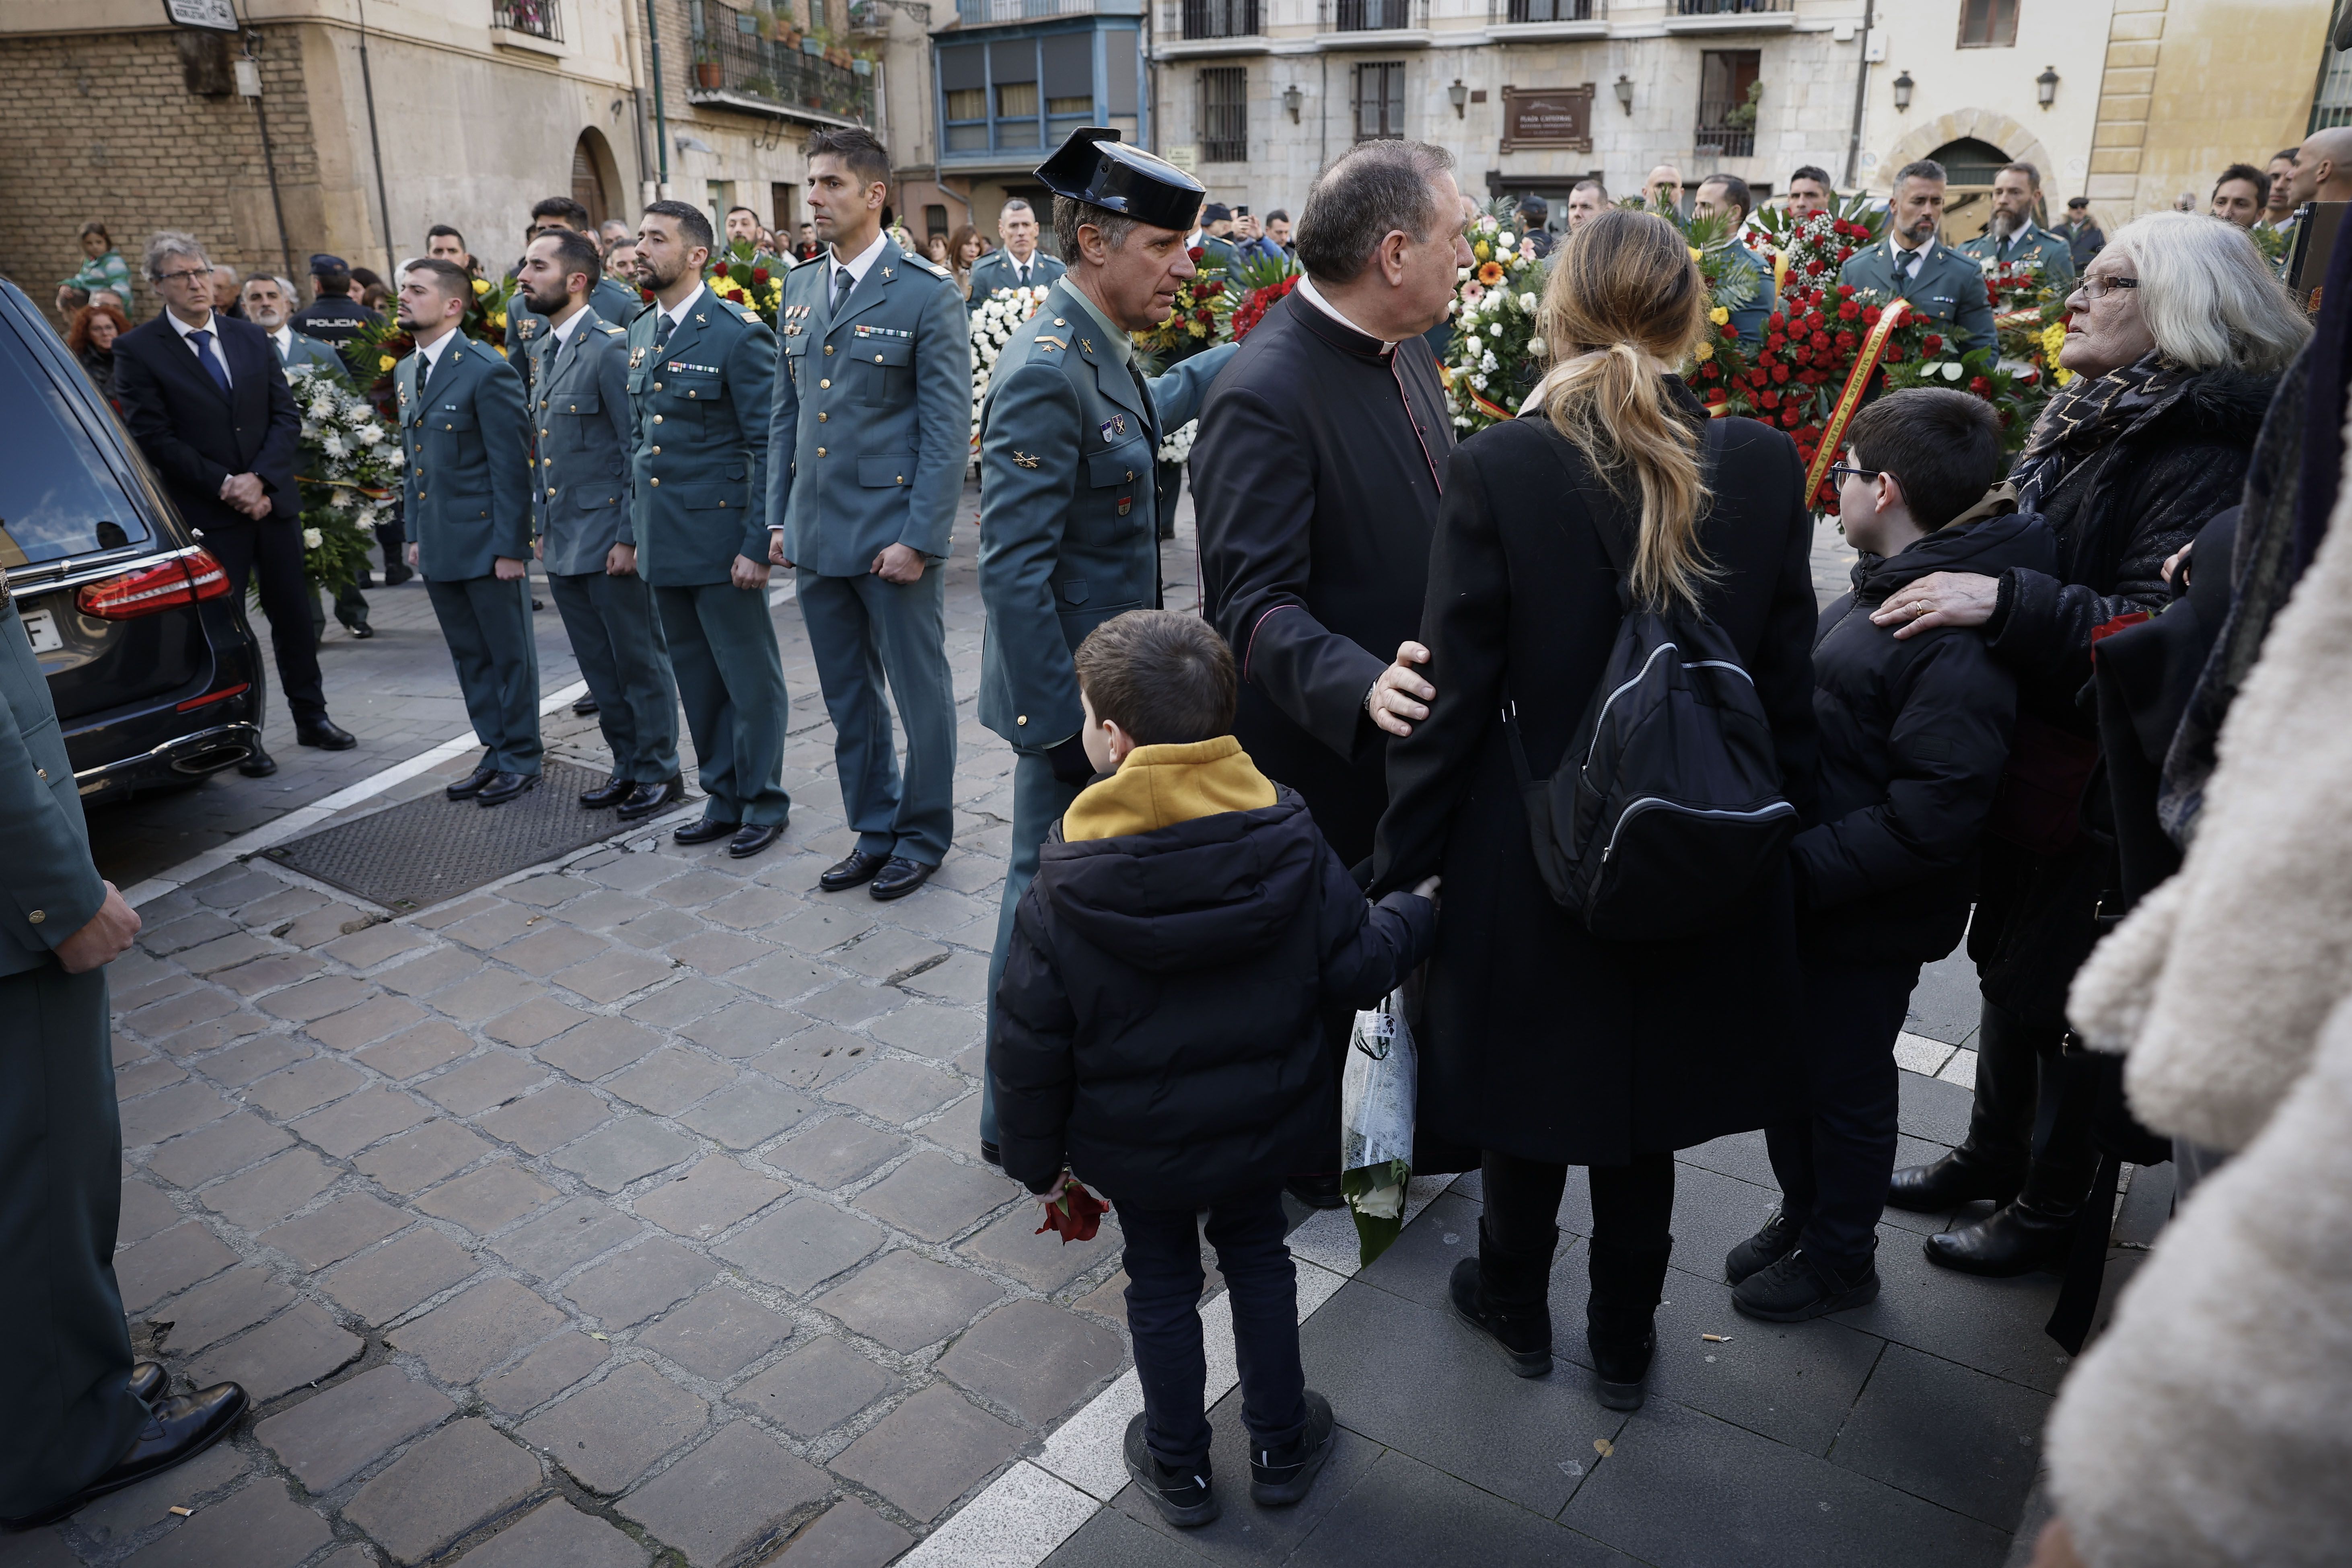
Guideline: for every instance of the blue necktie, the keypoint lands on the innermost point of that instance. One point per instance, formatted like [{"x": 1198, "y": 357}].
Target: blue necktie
[{"x": 204, "y": 341}]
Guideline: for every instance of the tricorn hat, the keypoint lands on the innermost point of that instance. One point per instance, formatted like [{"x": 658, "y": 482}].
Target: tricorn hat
[{"x": 1096, "y": 167}]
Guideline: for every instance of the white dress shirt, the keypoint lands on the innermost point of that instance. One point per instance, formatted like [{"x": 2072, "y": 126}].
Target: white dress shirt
[
  {"x": 858, "y": 265},
  {"x": 677, "y": 315},
  {"x": 209, "y": 324}
]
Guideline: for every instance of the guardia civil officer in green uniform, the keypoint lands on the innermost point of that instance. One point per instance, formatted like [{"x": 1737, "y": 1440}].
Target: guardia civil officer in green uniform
[
  {"x": 871, "y": 435},
  {"x": 526, "y": 324},
  {"x": 83, "y": 1420},
  {"x": 466, "y": 438},
  {"x": 1937, "y": 282},
  {"x": 1069, "y": 530},
  {"x": 579, "y": 495},
  {"x": 1019, "y": 263},
  {"x": 699, "y": 374},
  {"x": 2015, "y": 237}
]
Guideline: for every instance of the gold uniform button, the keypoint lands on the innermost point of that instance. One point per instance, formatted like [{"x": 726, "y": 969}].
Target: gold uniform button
[
  {"x": 1023, "y": 720},
  {"x": 828, "y": 348},
  {"x": 657, "y": 419},
  {"x": 542, "y": 432},
  {"x": 543, "y": 402},
  {"x": 575, "y": 407},
  {"x": 820, "y": 419},
  {"x": 550, "y": 462},
  {"x": 657, "y": 451},
  {"x": 37, "y": 916},
  {"x": 657, "y": 386},
  {"x": 820, "y": 451},
  {"x": 657, "y": 483},
  {"x": 44, "y": 774},
  {"x": 823, "y": 385},
  {"x": 877, "y": 358},
  {"x": 550, "y": 493}
]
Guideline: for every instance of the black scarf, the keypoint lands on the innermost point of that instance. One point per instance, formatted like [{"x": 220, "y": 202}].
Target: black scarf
[{"x": 2090, "y": 414}]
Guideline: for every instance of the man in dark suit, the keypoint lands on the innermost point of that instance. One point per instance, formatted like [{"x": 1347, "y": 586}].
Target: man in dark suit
[
  {"x": 87, "y": 1420},
  {"x": 205, "y": 400}
]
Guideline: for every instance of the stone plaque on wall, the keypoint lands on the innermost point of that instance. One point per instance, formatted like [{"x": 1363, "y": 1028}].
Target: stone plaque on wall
[{"x": 1558, "y": 117}]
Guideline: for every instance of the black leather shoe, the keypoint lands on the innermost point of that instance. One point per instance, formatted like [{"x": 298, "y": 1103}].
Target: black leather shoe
[
  {"x": 584, "y": 707},
  {"x": 704, "y": 831},
  {"x": 2014, "y": 1239},
  {"x": 1760, "y": 1251},
  {"x": 1317, "y": 1190},
  {"x": 326, "y": 734},
  {"x": 649, "y": 798},
  {"x": 470, "y": 787},
  {"x": 176, "y": 1430},
  {"x": 504, "y": 787},
  {"x": 1958, "y": 1178},
  {"x": 1281, "y": 1477},
  {"x": 857, "y": 866},
  {"x": 1524, "y": 1337},
  {"x": 257, "y": 763},
  {"x": 362, "y": 632},
  {"x": 612, "y": 792},
  {"x": 991, "y": 1154},
  {"x": 1799, "y": 1287},
  {"x": 753, "y": 838},
  {"x": 148, "y": 1379},
  {"x": 899, "y": 878},
  {"x": 393, "y": 576}
]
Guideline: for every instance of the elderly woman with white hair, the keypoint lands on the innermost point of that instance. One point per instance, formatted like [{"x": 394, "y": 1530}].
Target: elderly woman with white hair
[{"x": 2178, "y": 337}]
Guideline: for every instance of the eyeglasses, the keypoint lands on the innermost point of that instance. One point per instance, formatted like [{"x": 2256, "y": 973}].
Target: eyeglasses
[
  {"x": 2096, "y": 288},
  {"x": 1864, "y": 475},
  {"x": 183, "y": 277}
]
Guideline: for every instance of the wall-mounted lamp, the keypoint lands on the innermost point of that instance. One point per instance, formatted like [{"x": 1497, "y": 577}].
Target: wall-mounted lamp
[
  {"x": 1457, "y": 95},
  {"x": 1903, "y": 86},
  {"x": 1291, "y": 99},
  {"x": 1624, "y": 90},
  {"x": 2045, "y": 86},
  {"x": 693, "y": 144}
]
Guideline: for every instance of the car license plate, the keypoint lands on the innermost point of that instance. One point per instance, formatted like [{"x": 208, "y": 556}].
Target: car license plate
[{"x": 41, "y": 625}]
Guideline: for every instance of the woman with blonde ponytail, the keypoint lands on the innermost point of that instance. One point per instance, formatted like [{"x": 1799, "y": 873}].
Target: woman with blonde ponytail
[{"x": 1541, "y": 1045}]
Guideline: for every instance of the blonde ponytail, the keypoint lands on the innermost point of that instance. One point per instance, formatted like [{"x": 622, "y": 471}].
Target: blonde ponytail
[{"x": 1624, "y": 302}]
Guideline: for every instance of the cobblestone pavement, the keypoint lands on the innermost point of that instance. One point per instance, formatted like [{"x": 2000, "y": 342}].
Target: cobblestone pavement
[{"x": 628, "y": 1210}]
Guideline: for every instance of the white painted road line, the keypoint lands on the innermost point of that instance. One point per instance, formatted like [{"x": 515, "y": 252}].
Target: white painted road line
[{"x": 304, "y": 817}]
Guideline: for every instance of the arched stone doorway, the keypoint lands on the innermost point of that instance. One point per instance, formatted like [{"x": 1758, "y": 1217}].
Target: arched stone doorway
[
  {"x": 1981, "y": 133},
  {"x": 593, "y": 176},
  {"x": 1971, "y": 163}
]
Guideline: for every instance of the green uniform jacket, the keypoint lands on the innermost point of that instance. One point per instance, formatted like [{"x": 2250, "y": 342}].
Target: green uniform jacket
[
  {"x": 308, "y": 350},
  {"x": 1069, "y": 527},
  {"x": 875, "y": 404},
  {"x": 1949, "y": 287},
  {"x": 618, "y": 303},
  {"x": 50, "y": 890},
  {"x": 2037, "y": 244},
  {"x": 994, "y": 272},
  {"x": 467, "y": 442},
  {"x": 580, "y": 496},
  {"x": 699, "y": 477}
]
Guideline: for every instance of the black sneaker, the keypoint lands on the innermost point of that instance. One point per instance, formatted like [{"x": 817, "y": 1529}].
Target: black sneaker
[
  {"x": 1760, "y": 1251},
  {"x": 1281, "y": 1477},
  {"x": 1799, "y": 1287},
  {"x": 1182, "y": 1498}
]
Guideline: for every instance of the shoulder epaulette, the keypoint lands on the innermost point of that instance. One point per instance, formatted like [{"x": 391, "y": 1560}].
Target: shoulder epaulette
[
  {"x": 1044, "y": 341},
  {"x": 752, "y": 317},
  {"x": 613, "y": 331},
  {"x": 933, "y": 268}
]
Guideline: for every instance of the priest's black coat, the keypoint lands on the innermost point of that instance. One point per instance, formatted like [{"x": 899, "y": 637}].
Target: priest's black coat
[
  {"x": 1538, "y": 1039},
  {"x": 1315, "y": 480}
]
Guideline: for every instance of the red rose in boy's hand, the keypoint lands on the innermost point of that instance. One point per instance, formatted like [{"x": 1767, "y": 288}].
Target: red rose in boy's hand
[{"x": 1075, "y": 1216}]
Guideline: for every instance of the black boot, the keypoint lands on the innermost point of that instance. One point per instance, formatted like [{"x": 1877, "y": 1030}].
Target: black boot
[
  {"x": 1621, "y": 1319},
  {"x": 1507, "y": 1297},
  {"x": 1959, "y": 1177},
  {"x": 2015, "y": 1239}
]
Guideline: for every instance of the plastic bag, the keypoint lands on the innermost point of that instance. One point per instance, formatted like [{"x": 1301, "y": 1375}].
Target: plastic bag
[{"x": 1377, "y": 1091}]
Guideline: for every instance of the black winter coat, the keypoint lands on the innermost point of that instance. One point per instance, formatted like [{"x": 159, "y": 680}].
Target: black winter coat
[
  {"x": 2117, "y": 516},
  {"x": 1161, "y": 1021},
  {"x": 1539, "y": 1040},
  {"x": 1914, "y": 735}
]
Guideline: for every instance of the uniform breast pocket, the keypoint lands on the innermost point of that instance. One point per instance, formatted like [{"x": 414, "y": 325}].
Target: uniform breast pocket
[
  {"x": 696, "y": 388},
  {"x": 636, "y": 382},
  {"x": 577, "y": 414},
  {"x": 1129, "y": 463},
  {"x": 886, "y": 369}
]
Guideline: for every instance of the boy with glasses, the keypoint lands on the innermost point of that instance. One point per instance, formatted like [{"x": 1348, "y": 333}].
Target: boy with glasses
[{"x": 1913, "y": 737}]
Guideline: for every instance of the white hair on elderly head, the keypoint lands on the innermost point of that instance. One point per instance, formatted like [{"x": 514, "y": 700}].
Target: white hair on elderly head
[
  {"x": 171, "y": 242},
  {"x": 2207, "y": 295}
]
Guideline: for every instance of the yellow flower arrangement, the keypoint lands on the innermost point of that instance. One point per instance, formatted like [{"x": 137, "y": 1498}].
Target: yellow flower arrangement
[
  {"x": 2053, "y": 338},
  {"x": 1482, "y": 251},
  {"x": 385, "y": 362},
  {"x": 1720, "y": 315},
  {"x": 1705, "y": 352},
  {"x": 1696, "y": 253},
  {"x": 481, "y": 286}
]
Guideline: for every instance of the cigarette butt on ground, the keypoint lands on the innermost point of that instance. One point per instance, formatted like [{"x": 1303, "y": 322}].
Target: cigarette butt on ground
[
  {"x": 182, "y": 1512},
  {"x": 1717, "y": 1339}
]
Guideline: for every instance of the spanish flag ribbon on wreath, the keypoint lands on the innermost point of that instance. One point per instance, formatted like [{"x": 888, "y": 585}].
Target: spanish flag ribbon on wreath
[{"x": 1858, "y": 383}]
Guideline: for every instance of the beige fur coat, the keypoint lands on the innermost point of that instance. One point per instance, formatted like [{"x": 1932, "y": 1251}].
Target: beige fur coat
[{"x": 2212, "y": 1425}]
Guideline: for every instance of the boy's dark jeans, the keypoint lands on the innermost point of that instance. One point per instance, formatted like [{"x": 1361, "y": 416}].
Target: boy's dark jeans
[
  {"x": 1833, "y": 1167},
  {"x": 1163, "y": 1298}
]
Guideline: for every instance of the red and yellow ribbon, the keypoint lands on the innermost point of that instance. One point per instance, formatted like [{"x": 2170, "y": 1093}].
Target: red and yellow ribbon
[{"x": 1857, "y": 382}]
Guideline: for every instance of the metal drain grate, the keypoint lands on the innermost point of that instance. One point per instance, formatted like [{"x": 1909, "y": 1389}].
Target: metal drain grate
[{"x": 434, "y": 848}]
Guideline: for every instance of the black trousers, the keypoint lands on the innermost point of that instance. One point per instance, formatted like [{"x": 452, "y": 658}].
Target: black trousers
[
  {"x": 1633, "y": 1206},
  {"x": 2027, "y": 1083},
  {"x": 1834, "y": 1165},
  {"x": 271, "y": 551},
  {"x": 1163, "y": 1299},
  {"x": 70, "y": 1412}
]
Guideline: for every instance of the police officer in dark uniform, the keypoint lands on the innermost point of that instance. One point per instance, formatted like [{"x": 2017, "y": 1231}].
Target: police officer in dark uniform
[
  {"x": 333, "y": 317},
  {"x": 1069, "y": 533},
  {"x": 86, "y": 1420}
]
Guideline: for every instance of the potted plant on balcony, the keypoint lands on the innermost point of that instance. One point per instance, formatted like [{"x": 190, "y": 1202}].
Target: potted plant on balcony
[{"x": 707, "y": 74}]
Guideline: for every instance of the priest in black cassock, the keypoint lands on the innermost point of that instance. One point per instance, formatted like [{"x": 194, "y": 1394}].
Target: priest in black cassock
[{"x": 1315, "y": 476}]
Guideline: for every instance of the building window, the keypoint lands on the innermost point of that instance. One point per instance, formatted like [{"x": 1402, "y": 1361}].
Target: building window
[
  {"x": 1551, "y": 10},
  {"x": 1380, "y": 102},
  {"x": 2332, "y": 103},
  {"x": 1727, "y": 95},
  {"x": 540, "y": 18},
  {"x": 1221, "y": 18},
  {"x": 1225, "y": 114},
  {"x": 1988, "y": 23}
]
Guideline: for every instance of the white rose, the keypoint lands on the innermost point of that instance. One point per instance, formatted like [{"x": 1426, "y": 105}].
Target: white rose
[
  {"x": 1470, "y": 344},
  {"x": 1535, "y": 348},
  {"x": 1487, "y": 363},
  {"x": 1528, "y": 303},
  {"x": 312, "y": 539},
  {"x": 1504, "y": 240},
  {"x": 1949, "y": 369},
  {"x": 1462, "y": 275}
]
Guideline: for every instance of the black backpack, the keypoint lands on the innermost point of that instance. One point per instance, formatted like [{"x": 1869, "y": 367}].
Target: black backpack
[{"x": 1667, "y": 809}]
